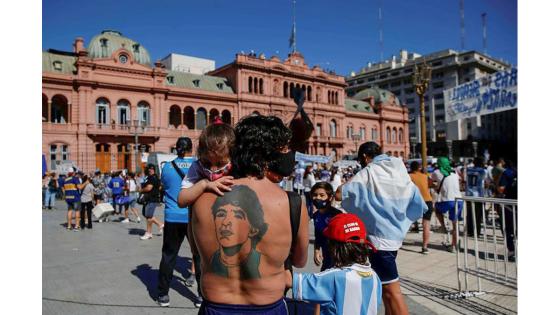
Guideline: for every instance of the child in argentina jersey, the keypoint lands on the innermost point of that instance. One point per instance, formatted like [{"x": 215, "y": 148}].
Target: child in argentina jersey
[{"x": 351, "y": 287}]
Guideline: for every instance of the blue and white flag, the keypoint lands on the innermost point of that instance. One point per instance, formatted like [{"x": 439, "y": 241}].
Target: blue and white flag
[
  {"x": 293, "y": 38},
  {"x": 385, "y": 198}
]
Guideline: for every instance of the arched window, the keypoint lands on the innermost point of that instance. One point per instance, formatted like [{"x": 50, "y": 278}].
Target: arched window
[
  {"x": 286, "y": 92},
  {"x": 226, "y": 117},
  {"x": 188, "y": 117},
  {"x": 250, "y": 84},
  {"x": 59, "y": 110},
  {"x": 201, "y": 118},
  {"x": 333, "y": 128},
  {"x": 291, "y": 89},
  {"x": 319, "y": 97},
  {"x": 309, "y": 93},
  {"x": 388, "y": 135},
  {"x": 261, "y": 86},
  {"x": 144, "y": 113},
  {"x": 45, "y": 111},
  {"x": 349, "y": 131},
  {"x": 336, "y": 98},
  {"x": 329, "y": 97},
  {"x": 394, "y": 138},
  {"x": 213, "y": 114},
  {"x": 304, "y": 90},
  {"x": 174, "y": 116},
  {"x": 102, "y": 111},
  {"x": 362, "y": 133},
  {"x": 402, "y": 154},
  {"x": 400, "y": 135},
  {"x": 374, "y": 133},
  {"x": 123, "y": 112},
  {"x": 256, "y": 85}
]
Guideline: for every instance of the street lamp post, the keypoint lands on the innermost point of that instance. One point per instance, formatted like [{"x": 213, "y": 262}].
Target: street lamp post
[
  {"x": 137, "y": 128},
  {"x": 421, "y": 79}
]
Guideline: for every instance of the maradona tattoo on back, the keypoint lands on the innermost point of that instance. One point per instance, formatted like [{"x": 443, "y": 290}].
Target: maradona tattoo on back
[{"x": 239, "y": 221}]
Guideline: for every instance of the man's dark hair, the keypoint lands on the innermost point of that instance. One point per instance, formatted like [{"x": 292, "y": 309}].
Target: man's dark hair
[
  {"x": 245, "y": 198},
  {"x": 414, "y": 166},
  {"x": 183, "y": 145},
  {"x": 345, "y": 254},
  {"x": 370, "y": 149},
  {"x": 324, "y": 185},
  {"x": 257, "y": 142},
  {"x": 478, "y": 162},
  {"x": 218, "y": 138}
]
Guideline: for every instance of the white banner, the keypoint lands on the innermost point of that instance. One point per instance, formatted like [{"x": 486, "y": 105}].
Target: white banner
[{"x": 490, "y": 94}]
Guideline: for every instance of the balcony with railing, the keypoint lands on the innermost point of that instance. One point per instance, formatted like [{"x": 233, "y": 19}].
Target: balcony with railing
[
  {"x": 120, "y": 129},
  {"x": 59, "y": 127}
]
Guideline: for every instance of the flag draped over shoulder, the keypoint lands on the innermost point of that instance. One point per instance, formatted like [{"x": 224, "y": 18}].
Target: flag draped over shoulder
[{"x": 385, "y": 198}]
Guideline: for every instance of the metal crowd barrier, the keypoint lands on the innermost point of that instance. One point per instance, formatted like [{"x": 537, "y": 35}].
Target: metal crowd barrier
[{"x": 490, "y": 249}]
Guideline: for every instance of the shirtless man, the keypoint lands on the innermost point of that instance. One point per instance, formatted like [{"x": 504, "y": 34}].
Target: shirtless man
[{"x": 244, "y": 237}]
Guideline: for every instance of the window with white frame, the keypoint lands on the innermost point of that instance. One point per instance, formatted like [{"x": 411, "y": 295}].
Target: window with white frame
[
  {"x": 333, "y": 128},
  {"x": 362, "y": 133},
  {"x": 318, "y": 130},
  {"x": 102, "y": 111},
  {"x": 373, "y": 133},
  {"x": 144, "y": 113},
  {"x": 123, "y": 112},
  {"x": 65, "y": 153}
]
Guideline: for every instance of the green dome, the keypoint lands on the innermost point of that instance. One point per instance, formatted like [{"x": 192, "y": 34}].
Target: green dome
[
  {"x": 379, "y": 95},
  {"x": 104, "y": 44}
]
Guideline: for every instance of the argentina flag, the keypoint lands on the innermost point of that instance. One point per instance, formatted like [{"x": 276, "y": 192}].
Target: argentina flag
[{"x": 385, "y": 198}]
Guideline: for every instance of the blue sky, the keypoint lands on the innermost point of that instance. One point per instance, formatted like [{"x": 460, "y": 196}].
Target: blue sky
[{"x": 338, "y": 35}]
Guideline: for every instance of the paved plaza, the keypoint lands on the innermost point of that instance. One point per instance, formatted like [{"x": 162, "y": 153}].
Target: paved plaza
[{"x": 109, "y": 270}]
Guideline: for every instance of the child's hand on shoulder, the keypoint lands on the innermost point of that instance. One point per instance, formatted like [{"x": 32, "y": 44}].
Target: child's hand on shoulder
[{"x": 220, "y": 185}]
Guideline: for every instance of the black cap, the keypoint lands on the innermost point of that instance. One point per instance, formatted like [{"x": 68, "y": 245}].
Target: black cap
[
  {"x": 370, "y": 149},
  {"x": 183, "y": 145}
]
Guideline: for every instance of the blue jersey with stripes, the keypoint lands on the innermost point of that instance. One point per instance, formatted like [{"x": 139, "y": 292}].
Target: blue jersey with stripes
[
  {"x": 352, "y": 290},
  {"x": 71, "y": 192},
  {"x": 171, "y": 181}
]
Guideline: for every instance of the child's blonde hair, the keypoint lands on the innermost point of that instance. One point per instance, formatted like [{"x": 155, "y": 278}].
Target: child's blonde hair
[{"x": 218, "y": 138}]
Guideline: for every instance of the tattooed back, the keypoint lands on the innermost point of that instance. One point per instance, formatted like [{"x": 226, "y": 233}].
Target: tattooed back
[{"x": 243, "y": 238}]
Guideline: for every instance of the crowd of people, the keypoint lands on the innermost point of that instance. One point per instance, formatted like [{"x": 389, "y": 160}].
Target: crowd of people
[{"x": 244, "y": 205}]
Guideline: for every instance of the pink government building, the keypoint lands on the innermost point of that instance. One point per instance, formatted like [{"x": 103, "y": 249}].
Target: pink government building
[{"x": 100, "y": 99}]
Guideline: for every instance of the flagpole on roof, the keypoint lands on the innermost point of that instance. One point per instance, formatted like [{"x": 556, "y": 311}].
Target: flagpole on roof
[{"x": 293, "y": 35}]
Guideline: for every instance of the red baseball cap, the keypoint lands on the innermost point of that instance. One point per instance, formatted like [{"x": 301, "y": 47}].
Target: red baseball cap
[{"x": 347, "y": 228}]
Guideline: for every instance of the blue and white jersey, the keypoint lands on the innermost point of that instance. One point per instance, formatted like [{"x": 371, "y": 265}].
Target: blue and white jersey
[
  {"x": 385, "y": 198},
  {"x": 475, "y": 181},
  {"x": 171, "y": 181},
  {"x": 352, "y": 290}
]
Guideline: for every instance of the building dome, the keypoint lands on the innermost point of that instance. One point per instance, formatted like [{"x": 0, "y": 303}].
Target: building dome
[
  {"x": 104, "y": 44},
  {"x": 379, "y": 95}
]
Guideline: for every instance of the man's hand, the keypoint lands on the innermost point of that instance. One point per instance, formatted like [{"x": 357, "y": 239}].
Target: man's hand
[
  {"x": 338, "y": 193},
  {"x": 220, "y": 186},
  {"x": 318, "y": 257}
]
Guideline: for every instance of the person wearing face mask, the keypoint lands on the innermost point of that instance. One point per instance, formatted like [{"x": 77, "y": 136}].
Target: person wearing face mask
[
  {"x": 322, "y": 195},
  {"x": 243, "y": 252}
]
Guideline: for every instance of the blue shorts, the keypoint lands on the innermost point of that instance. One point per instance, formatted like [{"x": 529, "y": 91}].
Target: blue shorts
[
  {"x": 384, "y": 263},
  {"x": 449, "y": 206},
  {"x": 149, "y": 209},
  {"x": 73, "y": 205},
  {"x": 209, "y": 308}
]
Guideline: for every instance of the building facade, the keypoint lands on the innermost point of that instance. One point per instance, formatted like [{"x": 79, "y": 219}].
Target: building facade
[
  {"x": 449, "y": 69},
  {"x": 101, "y": 101}
]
